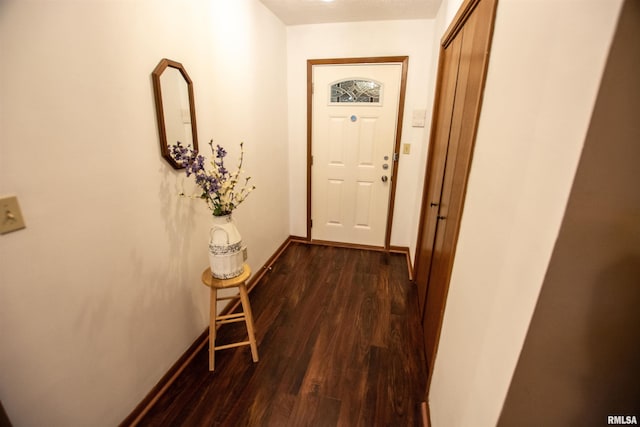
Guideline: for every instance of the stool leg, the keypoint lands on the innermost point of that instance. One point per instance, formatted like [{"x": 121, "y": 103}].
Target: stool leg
[
  {"x": 248, "y": 317},
  {"x": 212, "y": 327}
]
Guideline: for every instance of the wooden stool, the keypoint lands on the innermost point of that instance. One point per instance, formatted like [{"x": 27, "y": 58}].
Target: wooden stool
[{"x": 214, "y": 319}]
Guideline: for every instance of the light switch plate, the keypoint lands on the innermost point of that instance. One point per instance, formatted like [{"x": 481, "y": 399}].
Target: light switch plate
[
  {"x": 406, "y": 148},
  {"x": 418, "y": 119},
  {"x": 10, "y": 215}
]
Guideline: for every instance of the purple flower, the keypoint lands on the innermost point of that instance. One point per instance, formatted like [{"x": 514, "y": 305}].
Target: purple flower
[
  {"x": 184, "y": 156},
  {"x": 218, "y": 186},
  {"x": 208, "y": 183},
  {"x": 222, "y": 171},
  {"x": 220, "y": 152},
  {"x": 195, "y": 166}
]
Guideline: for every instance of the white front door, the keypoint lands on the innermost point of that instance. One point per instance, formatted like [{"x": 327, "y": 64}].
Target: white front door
[{"x": 354, "y": 119}]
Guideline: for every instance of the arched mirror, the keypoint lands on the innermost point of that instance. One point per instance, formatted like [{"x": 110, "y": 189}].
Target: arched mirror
[{"x": 175, "y": 108}]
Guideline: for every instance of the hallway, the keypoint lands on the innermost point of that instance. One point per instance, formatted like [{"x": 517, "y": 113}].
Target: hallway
[{"x": 339, "y": 340}]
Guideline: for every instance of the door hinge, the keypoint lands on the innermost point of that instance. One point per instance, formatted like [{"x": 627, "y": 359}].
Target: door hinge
[
  {"x": 311, "y": 161},
  {"x": 310, "y": 223},
  {"x": 396, "y": 157}
]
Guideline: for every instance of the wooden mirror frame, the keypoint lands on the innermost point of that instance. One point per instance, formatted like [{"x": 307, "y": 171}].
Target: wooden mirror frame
[{"x": 160, "y": 111}]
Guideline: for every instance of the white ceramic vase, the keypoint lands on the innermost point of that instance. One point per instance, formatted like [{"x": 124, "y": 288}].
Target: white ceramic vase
[{"x": 227, "y": 254}]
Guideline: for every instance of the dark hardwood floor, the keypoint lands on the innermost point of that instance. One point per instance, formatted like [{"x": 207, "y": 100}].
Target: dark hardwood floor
[{"x": 339, "y": 340}]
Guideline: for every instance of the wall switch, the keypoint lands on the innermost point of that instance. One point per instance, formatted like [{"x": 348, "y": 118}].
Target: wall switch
[
  {"x": 10, "y": 215},
  {"x": 406, "y": 148}
]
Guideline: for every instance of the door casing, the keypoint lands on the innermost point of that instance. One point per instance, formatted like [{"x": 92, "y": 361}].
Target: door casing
[{"x": 404, "y": 60}]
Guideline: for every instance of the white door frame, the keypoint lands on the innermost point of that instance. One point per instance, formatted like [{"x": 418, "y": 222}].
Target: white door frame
[{"x": 404, "y": 60}]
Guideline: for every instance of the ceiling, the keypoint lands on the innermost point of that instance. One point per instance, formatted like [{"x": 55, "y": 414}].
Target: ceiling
[{"x": 299, "y": 12}]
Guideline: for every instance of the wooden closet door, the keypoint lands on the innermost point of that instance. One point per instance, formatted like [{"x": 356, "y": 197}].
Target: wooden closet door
[
  {"x": 440, "y": 135},
  {"x": 442, "y": 210}
]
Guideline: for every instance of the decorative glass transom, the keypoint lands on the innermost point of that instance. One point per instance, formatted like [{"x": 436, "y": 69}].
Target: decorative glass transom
[{"x": 356, "y": 91}]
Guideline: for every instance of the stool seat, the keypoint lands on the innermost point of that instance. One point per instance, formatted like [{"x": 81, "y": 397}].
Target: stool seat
[
  {"x": 215, "y": 320},
  {"x": 209, "y": 280}
]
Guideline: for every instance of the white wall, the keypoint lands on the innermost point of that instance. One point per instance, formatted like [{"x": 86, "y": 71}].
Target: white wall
[
  {"x": 546, "y": 63},
  {"x": 450, "y": 8},
  {"x": 364, "y": 39},
  {"x": 101, "y": 294}
]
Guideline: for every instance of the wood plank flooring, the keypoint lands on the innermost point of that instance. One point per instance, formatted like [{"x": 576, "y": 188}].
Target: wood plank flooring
[{"x": 339, "y": 340}]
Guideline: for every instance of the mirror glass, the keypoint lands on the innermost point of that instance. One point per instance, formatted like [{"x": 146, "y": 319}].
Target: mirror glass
[{"x": 175, "y": 110}]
